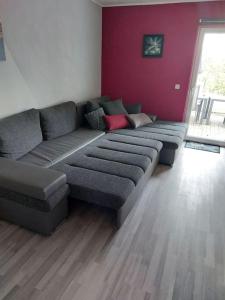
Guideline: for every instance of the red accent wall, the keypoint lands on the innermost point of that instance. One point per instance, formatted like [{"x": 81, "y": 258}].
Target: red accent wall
[{"x": 151, "y": 81}]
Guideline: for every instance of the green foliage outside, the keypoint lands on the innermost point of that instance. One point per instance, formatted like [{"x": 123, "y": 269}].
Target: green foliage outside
[{"x": 213, "y": 76}]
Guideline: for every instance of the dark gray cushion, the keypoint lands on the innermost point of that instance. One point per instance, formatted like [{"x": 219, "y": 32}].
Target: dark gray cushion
[
  {"x": 58, "y": 120},
  {"x": 138, "y": 120},
  {"x": 114, "y": 107},
  {"x": 19, "y": 134},
  {"x": 153, "y": 117},
  {"x": 133, "y": 108},
  {"x": 123, "y": 157},
  {"x": 82, "y": 160},
  {"x": 95, "y": 119},
  {"x": 132, "y": 140},
  {"x": 82, "y": 109},
  {"x": 92, "y": 106}
]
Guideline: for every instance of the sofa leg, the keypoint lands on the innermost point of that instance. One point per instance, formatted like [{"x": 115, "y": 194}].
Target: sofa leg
[{"x": 167, "y": 156}]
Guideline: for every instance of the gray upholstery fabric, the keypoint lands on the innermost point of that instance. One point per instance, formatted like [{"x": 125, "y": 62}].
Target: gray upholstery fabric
[
  {"x": 97, "y": 187},
  {"x": 172, "y": 123},
  {"x": 50, "y": 152},
  {"x": 138, "y": 120},
  {"x": 176, "y": 126},
  {"x": 114, "y": 107},
  {"x": 45, "y": 205},
  {"x": 127, "y": 148},
  {"x": 82, "y": 109},
  {"x": 122, "y": 157},
  {"x": 43, "y": 222},
  {"x": 169, "y": 141},
  {"x": 133, "y": 108},
  {"x": 171, "y": 134},
  {"x": 19, "y": 134},
  {"x": 91, "y": 106},
  {"x": 106, "y": 171},
  {"x": 161, "y": 131},
  {"x": 131, "y": 140},
  {"x": 82, "y": 160},
  {"x": 95, "y": 119},
  {"x": 58, "y": 120},
  {"x": 29, "y": 180}
]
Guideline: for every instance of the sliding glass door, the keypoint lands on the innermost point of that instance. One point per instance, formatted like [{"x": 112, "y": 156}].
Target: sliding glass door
[{"x": 206, "y": 109}]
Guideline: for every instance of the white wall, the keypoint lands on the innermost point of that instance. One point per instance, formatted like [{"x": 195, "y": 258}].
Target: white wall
[
  {"x": 53, "y": 53},
  {"x": 15, "y": 95}
]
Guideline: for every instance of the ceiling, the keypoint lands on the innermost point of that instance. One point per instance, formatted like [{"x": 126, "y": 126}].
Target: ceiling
[{"x": 106, "y": 3}]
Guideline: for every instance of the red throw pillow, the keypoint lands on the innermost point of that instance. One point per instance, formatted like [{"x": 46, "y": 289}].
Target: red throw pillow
[{"x": 116, "y": 122}]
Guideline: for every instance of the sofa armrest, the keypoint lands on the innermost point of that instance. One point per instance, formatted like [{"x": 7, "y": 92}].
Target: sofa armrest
[{"x": 29, "y": 180}]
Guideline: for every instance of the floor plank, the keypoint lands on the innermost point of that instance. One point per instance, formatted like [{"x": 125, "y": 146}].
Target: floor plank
[{"x": 172, "y": 246}]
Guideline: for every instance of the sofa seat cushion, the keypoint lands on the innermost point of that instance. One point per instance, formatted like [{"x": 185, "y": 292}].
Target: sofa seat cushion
[
  {"x": 132, "y": 140},
  {"x": 161, "y": 131},
  {"x": 172, "y": 123},
  {"x": 167, "y": 125},
  {"x": 50, "y": 152},
  {"x": 19, "y": 134},
  {"x": 170, "y": 139},
  {"x": 121, "y": 147},
  {"x": 106, "y": 171},
  {"x": 123, "y": 157},
  {"x": 83, "y": 160}
]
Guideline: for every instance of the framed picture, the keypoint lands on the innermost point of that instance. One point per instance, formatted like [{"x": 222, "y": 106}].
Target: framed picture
[
  {"x": 2, "y": 48},
  {"x": 153, "y": 45}
]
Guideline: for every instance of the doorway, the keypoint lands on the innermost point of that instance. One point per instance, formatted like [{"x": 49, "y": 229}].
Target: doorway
[{"x": 206, "y": 111}]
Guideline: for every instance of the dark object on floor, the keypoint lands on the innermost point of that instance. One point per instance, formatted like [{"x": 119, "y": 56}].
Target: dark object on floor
[{"x": 203, "y": 147}]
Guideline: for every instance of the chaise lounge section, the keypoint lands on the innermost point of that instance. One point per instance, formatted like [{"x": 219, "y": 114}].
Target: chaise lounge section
[{"x": 111, "y": 171}]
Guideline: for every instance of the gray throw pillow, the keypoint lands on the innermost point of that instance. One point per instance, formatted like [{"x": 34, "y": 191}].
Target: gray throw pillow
[
  {"x": 153, "y": 117},
  {"x": 138, "y": 120},
  {"x": 19, "y": 134},
  {"x": 58, "y": 120},
  {"x": 133, "y": 108},
  {"x": 114, "y": 107},
  {"x": 95, "y": 119},
  {"x": 91, "y": 106}
]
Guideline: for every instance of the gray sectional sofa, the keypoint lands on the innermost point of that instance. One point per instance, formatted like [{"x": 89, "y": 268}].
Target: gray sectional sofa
[{"x": 49, "y": 155}]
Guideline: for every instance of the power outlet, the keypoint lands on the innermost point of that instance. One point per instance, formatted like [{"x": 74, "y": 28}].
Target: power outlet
[{"x": 177, "y": 86}]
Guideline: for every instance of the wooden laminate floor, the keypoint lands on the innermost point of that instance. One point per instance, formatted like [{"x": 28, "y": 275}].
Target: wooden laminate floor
[{"x": 172, "y": 247}]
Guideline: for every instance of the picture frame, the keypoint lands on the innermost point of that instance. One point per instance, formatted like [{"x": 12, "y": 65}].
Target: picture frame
[
  {"x": 2, "y": 48},
  {"x": 153, "y": 45}
]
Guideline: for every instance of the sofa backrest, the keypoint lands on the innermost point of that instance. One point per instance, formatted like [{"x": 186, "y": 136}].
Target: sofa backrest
[
  {"x": 58, "y": 120},
  {"x": 22, "y": 132},
  {"x": 19, "y": 134},
  {"x": 81, "y": 109}
]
